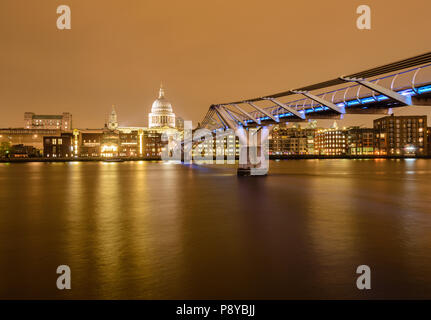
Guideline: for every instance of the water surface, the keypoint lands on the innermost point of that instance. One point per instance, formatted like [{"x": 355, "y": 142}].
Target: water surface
[{"x": 150, "y": 230}]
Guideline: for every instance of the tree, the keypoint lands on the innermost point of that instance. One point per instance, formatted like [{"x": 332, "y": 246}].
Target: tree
[{"x": 5, "y": 149}]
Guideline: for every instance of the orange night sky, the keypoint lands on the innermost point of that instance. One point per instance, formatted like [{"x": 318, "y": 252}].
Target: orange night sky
[{"x": 205, "y": 52}]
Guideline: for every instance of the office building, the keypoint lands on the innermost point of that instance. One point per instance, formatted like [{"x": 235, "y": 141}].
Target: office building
[
  {"x": 35, "y": 121},
  {"x": 401, "y": 135},
  {"x": 360, "y": 141}
]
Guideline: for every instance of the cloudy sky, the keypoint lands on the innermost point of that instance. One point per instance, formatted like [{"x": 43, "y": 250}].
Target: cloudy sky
[{"x": 205, "y": 52}]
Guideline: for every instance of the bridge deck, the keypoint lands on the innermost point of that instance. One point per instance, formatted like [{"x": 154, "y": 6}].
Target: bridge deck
[{"x": 407, "y": 78}]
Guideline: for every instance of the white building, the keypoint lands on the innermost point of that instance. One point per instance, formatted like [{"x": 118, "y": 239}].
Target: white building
[
  {"x": 113, "y": 122},
  {"x": 161, "y": 115}
]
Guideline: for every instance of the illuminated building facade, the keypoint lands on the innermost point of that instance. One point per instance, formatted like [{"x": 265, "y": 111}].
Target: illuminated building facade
[
  {"x": 123, "y": 142},
  {"x": 228, "y": 146},
  {"x": 128, "y": 143},
  {"x": 110, "y": 140},
  {"x": 153, "y": 145},
  {"x": 23, "y": 151},
  {"x": 140, "y": 142},
  {"x": 114, "y": 141},
  {"x": 360, "y": 141},
  {"x": 401, "y": 135},
  {"x": 58, "y": 146},
  {"x": 291, "y": 141},
  {"x": 35, "y": 121},
  {"x": 110, "y": 143},
  {"x": 26, "y": 137},
  {"x": 89, "y": 142},
  {"x": 331, "y": 142}
]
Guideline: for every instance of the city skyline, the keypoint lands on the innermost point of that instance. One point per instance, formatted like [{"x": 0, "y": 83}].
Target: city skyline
[
  {"x": 121, "y": 56},
  {"x": 221, "y": 157}
]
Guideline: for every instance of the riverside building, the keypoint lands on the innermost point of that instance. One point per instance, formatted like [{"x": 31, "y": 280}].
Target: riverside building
[
  {"x": 58, "y": 146},
  {"x": 331, "y": 142},
  {"x": 225, "y": 146},
  {"x": 360, "y": 141},
  {"x": 116, "y": 141},
  {"x": 27, "y": 137},
  {"x": 291, "y": 141},
  {"x": 401, "y": 135}
]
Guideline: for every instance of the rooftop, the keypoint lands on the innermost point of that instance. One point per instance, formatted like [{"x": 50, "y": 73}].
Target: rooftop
[{"x": 39, "y": 116}]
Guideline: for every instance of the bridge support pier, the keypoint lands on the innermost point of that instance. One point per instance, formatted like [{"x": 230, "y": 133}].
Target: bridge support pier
[{"x": 253, "y": 155}]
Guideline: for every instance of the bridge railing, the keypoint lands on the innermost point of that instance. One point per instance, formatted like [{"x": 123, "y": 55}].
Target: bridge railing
[
  {"x": 409, "y": 77},
  {"x": 406, "y": 82}
]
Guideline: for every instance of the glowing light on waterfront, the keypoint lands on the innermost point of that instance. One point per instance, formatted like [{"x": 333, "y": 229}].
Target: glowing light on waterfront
[
  {"x": 140, "y": 133},
  {"x": 410, "y": 149},
  {"x": 76, "y": 135}
]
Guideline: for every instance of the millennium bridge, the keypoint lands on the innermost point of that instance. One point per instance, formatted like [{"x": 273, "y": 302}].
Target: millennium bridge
[{"x": 374, "y": 91}]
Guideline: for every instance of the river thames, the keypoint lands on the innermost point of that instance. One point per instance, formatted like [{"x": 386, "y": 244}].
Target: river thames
[{"x": 154, "y": 230}]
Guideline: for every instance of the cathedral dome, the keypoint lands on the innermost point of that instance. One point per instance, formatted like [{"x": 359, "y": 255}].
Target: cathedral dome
[
  {"x": 161, "y": 105},
  {"x": 161, "y": 115}
]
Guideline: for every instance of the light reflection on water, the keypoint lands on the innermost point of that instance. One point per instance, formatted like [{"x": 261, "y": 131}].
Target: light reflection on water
[{"x": 153, "y": 230}]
